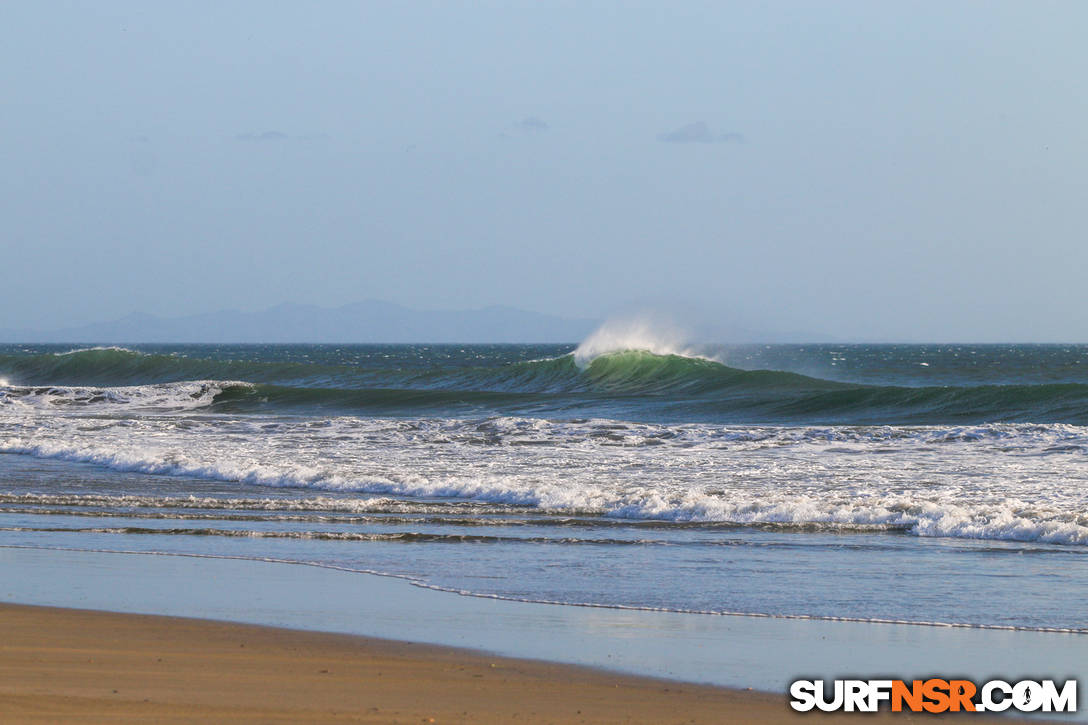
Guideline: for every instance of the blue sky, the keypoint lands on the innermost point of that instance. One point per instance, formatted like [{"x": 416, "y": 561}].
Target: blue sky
[{"x": 866, "y": 170}]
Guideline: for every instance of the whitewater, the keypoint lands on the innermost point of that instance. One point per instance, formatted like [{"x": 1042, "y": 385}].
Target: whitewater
[{"x": 898, "y": 483}]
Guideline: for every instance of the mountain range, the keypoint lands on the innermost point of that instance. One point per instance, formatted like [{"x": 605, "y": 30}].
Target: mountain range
[
  {"x": 371, "y": 321},
  {"x": 362, "y": 322}
]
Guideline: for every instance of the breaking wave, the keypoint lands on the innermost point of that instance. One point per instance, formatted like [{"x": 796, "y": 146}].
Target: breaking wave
[{"x": 600, "y": 378}]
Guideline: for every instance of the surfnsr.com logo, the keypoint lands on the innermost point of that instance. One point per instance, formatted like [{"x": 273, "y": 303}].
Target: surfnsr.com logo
[{"x": 933, "y": 695}]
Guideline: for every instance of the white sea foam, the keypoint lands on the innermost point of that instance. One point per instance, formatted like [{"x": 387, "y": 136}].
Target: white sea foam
[
  {"x": 115, "y": 348},
  {"x": 981, "y": 482},
  {"x": 645, "y": 333},
  {"x": 65, "y": 399}
]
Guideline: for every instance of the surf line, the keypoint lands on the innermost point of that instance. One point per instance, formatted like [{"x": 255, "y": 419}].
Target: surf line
[{"x": 416, "y": 581}]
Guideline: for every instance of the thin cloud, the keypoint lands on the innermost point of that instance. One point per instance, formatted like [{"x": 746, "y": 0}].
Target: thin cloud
[
  {"x": 699, "y": 132},
  {"x": 274, "y": 136},
  {"x": 528, "y": 126},
  {"x": 532, "y": 124},
  {"x": 263, "y": 136}
]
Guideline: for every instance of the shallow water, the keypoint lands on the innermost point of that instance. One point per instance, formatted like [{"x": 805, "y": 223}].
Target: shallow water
[
  {"x": 761, "y": 653},
  {"x": 676, "y": 478}
]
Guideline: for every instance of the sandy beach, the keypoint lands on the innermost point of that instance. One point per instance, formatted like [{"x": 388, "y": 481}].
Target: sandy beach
[
  {"x": 66, "y": 665},
  {"x": 393, "y": 652},
  {"x": 543, "y": 362}
]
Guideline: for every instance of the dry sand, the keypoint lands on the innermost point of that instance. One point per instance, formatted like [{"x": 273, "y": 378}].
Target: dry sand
[{"x": 64, "y": 665}]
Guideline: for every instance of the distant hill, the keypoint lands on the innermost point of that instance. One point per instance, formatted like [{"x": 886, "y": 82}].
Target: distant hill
[{"x": 362, "y": 322}]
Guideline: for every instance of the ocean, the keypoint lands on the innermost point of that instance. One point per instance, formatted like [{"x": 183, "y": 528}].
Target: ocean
[{"x": 930, "y": 484}]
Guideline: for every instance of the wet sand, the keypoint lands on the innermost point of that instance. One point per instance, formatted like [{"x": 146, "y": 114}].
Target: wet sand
[{"x": 87, "y": 666}]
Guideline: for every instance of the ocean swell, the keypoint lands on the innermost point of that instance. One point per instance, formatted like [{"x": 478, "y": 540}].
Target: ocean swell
[{"x": 633, "y": 384}]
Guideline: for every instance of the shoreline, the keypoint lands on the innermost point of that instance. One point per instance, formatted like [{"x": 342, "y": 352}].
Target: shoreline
[
  {"x": 748, "y": 662},
  {"x": 95, "y": 666},
  {"x": 422, "y": 584}
]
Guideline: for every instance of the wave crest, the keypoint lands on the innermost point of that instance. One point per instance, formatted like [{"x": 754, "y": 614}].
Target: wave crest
[
  {"x": 98, "y": 348},
  {"x": 642, "y": 334},
  {"x": 188, "y": 395},
  {"x": 608, "y": 376}
]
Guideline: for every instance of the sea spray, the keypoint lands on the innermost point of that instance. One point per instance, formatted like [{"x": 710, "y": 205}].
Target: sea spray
[{"x": 652, "y": 333}]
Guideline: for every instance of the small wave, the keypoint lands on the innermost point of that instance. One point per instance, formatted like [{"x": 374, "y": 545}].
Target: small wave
[
  {"x": 359, "y": 519},
  {"x": 187, "y": 395},
  {"x": 430, "y": 537},
  {"x": 407, "y": 537},
  {"x": 918, "y": 512},
  {"x": 377, "y": 505},
  {"x": 415, "y": 581},
  {"x": 103, "y": 348},
  {"x": 485, "y": 518}
]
